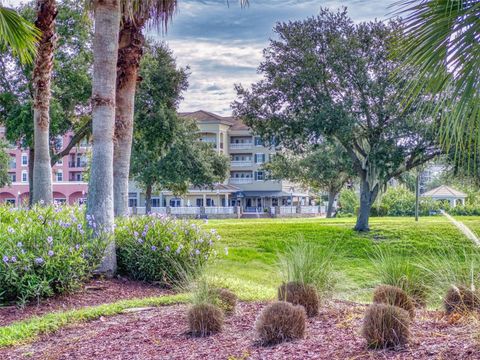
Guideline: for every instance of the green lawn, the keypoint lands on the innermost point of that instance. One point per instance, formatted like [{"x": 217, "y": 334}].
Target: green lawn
[{"x": 250, "y": 267}]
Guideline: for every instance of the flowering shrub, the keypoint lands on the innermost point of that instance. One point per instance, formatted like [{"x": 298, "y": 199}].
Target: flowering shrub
[
  {"x": 161, "y": 249},
  {"x": 45, "y": 250}
]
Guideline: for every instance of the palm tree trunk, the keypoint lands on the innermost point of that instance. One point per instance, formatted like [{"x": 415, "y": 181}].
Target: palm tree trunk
[
  {"x": 130, "y": 52},
  {"x": 100, "y": 190},
  {"x": 42, "y": 74}
]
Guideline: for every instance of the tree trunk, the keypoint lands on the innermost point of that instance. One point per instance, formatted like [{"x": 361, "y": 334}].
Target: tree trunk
[
  {"x": 31, "y": 162},
  {"x": 42, "y": 74},
  {"x": 367, "y": 198},
  {"x": 130, "y": 52},
  {"x": 331, "y": 199},
  {"x": 148, "y": 199},
  {"x": 100, "y": 189}
]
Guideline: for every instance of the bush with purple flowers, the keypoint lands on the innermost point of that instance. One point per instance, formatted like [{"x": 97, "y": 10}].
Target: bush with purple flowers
[
  {"x": 161, "y": 249},
  {"x": 44, "y": 251}
]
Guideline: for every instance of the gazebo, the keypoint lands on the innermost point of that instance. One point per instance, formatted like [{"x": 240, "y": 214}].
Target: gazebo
[{"x": 446, "y": 193}]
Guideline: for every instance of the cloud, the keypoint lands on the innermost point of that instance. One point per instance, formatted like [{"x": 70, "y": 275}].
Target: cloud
[{"x": 223, "y": 44}]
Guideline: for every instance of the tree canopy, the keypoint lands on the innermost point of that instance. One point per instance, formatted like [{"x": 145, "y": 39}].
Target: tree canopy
[
  {"x": 167, "y": 153},
  {"x": 325, "y": 167},
  {"x": 329, "y": 77},
  {"x": 71, "y": 83}
]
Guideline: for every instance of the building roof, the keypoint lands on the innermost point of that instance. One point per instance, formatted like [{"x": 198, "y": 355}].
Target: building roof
[
  {"x": 445, "y": 192},
  {"x": 202, "y": 115}
]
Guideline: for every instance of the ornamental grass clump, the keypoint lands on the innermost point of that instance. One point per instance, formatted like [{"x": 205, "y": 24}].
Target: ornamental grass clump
[
  {"x": 46, "y": 250},
  {"x": 386, "y": 326},
  {"x": 462, "y": 300},
  {"x": 300, "y": 294},
  {"x": 161, "y": 249},
  {"x": 391, "y": 295},
  {"x": 308, "y": 275},
  {"x": 396, "y": 269},
  {"x": 226, "y": 300},
  {"x": 205, "y": 317},
  {"x": 279, "y": 322}
]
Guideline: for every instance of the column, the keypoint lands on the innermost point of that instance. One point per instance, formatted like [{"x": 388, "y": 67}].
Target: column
[
  {"x": 218, "y": 141},
  {"x": 204, "y": 199},
  {"x": 226, "y": 199}
]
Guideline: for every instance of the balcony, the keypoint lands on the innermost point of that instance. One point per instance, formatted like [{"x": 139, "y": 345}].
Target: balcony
[
  {"x": 241, "y": 146},
  {"x": 77, "y": 164},
  {"x": 241, "y": 163},
  {"x": 238, "y": 181}
]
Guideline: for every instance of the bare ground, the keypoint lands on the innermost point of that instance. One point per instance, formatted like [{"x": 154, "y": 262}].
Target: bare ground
[{"x": 161, "y": 333}]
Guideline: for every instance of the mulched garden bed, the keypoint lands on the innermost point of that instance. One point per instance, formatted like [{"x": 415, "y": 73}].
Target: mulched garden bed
[
  {"x": 160, "y": 333},
  {"x": 95, "y": 292}
]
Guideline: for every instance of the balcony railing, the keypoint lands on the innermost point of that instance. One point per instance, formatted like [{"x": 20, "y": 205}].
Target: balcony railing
[
  {"x": 235, "y": 146},
  {"x": 241, "y": 163},
  {"x": 78, "y": 164},
  {"x": 241, "y": 180}
]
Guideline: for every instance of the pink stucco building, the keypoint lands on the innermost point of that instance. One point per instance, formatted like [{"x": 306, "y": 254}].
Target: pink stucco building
[{"x": 68, "y": 184}]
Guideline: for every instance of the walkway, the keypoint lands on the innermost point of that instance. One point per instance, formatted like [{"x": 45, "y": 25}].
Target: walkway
[{"x": 463, "y": 228}]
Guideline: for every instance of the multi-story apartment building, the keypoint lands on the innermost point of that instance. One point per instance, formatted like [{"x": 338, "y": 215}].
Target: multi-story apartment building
[
  {"x": 247, "y": 186},
  {"x": 68, "y": 184}
]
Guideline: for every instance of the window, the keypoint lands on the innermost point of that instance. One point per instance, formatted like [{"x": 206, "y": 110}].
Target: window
[
  {"x": 24, "y": 160},
  {"x": 24, "y": 176},
  {"x": 199, "y": 202},
  {"x": 210, "y": 202},
  {"x": 259, "y": 176},
  {"x": 60, "y": 162},
  {"x": 132, "y": 199},
  {"x": 13, "y": 162},
  {"x": 13, "y": 177},
  {"x": 175, "y": 202},
  {"x": 58, "y": 142},
  {"x": 259, "y": 158},
  {"x": 59, "y": 176},
  {"x": 258, "y": 141},
  {"x": 156, "y": 202}
]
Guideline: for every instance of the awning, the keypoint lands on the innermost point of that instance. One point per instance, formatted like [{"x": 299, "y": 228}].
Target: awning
[{"x": 273, "y": 194}]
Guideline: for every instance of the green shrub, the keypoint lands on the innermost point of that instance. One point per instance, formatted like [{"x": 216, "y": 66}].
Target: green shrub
[
  {"x": 399, "y": 201},
  {"x": 44, "y": 251},
  {"x": 398, "y": 270},
  {"x": 386, "y": 326},
  {"x": 308, "y": 264},
  {"x": 161, "y": 249},
  {"x": 348, "y": 202}
]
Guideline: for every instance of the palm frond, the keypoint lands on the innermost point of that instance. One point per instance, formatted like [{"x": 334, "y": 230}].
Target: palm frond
[
  {"x": 18, "y": 34},
  {"x": 442, "y": 42},
  {"x": 156, "y": 13}
]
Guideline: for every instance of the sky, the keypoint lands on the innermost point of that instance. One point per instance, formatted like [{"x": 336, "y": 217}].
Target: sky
[{"x": 222, "y": 43}]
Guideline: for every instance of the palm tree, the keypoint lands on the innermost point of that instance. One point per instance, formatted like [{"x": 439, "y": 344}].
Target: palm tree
[
  {"x": 443, "y": 43},
  {"x": 42, "y": 74},
  {"x": 17, "y": 33},
  {"x": 131, "y": 42},
  {"x": 107, "y": 14},
  {"x": 136, "y": 14}
]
